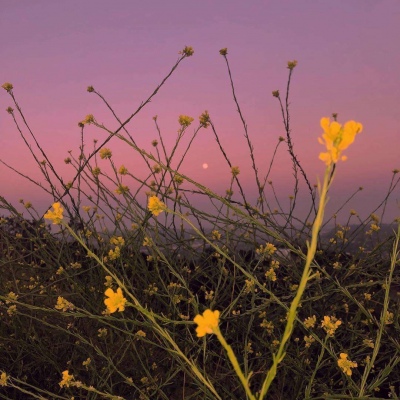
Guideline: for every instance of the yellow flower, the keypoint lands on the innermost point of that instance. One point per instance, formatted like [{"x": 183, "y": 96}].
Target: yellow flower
[
  {"x": 155, "y": 205},
  {"x": 60, "y": 271},
  {"x": 102, "y": 332},
  {"x": 12, "y": 310},
  {"x": 7, "y": 86},
  {"x": 105, "y": 153},
  {"x": 178, "y": 180},
  {"x": 96, "y": 171},
  {"x": 11, "y": 297},
  {"x": 89, "y": 119},
  {"x": 117, "y": 240},
  {"x": 114, "y": 254},
  {"x": 123, "y": 170},
  {"x": 185, "y": 120},
  {"x": 108, "y": 281},
  {"x": 216, "y": 235},
  {"x": 269, "y": 249},
  {"x": 204, "y": 119},
  {"x": 389, "y": 317},
  {"x": 330, "y": 324},
  {"x": 369, "y": 343},
  {"x": 66, "y": 379},
  {"x": 275, "y": 93},
  {"x": 63, "y": 304},
  {"x": 235, "y": 171},
  {"x": 187, "y": 51},
  {"x": 156, "y": 168},
  {"x": 337, "y": 138},
  {"x": 57, "y": 215},
  {"x": 271, "y": 275},
  {"x": 309, "y": 341},
  {"x": 375, "y": 227},
  {"x": 147, "y": 242},
  {"x": 3, "y": 379},
  {"x": 140, "y": 333},
  {"x": 207, "y": 323},
  {"x": 223, "y": 51},
  {"x": 116, "y": 300},
  {"x": 268, "y": 325},
  {"x": 121, "y": 189},
  {"x": 345, "y": 364}
]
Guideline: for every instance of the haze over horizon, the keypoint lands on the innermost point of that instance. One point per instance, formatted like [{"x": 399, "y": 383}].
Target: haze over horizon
[{"x": 347, "y": 55}]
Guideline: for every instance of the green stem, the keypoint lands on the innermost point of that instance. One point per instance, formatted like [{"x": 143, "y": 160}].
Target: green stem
[
  {"x": 320, "y": 357},
  {"x": 280, "y": 354},
  {"x": 235, "y": 364}
]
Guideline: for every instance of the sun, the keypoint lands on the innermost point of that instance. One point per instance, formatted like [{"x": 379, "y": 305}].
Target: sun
[{"x": 205, "y": 166}]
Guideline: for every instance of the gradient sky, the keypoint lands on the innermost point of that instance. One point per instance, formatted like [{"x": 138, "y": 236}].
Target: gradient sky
[{"x": 348, "y": 62}]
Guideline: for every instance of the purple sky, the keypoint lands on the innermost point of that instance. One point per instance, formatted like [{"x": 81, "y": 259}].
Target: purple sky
[{"x": 348, "y": 62}]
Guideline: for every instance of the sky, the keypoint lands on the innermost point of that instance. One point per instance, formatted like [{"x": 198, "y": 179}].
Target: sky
[{"x": 348, "y": 63}]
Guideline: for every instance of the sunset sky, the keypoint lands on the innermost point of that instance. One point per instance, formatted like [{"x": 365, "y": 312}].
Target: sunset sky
[{"x": 348, "y": 63}]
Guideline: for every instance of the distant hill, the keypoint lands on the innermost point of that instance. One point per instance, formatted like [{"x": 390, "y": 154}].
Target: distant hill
[{"x": 357, "y": 237}]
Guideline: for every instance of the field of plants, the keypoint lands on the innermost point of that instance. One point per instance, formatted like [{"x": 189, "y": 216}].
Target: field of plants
[{"x": 122, "y": 293}]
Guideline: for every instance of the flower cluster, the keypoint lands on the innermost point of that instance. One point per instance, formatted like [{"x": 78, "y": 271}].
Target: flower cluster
[
  {"x": 215, "y": 235},
  {"x": 121, "y": 189},
  {"x": 309, "y": 340},
  {"x": 275, "y": 93},
  {"x": 235, "y": 171},
  {"x": 292, "y": 64},
  {"x": 7, "y": 86},
  {"x": 345, "y": 364},
  {"x": 89, "y": 119},
  {"x": 11, "y": 297},
  {"x": 204, "y": 119},
  {"x": 268, "y": 249},
  {"x": 310, "y": 322},
  {"x": 115, "y": 253},
  {"x": 187, "y": 51},
  {"x": 105, "y": 153},
  {"x": 330, "y": 324},
  {"x": 185, "y": 120},
  {"x": 271, "y": 275},
  {"x": 66, "y": 379},
  {"x": 3, "y": 379},
  {"x": 122, "y": 170},
  {"x": 64, "y": 305},
  {"x": 155, "y": 205}
]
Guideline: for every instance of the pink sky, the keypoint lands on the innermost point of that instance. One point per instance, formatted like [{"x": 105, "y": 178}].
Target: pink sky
[{"x": 348, "y": 62}]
